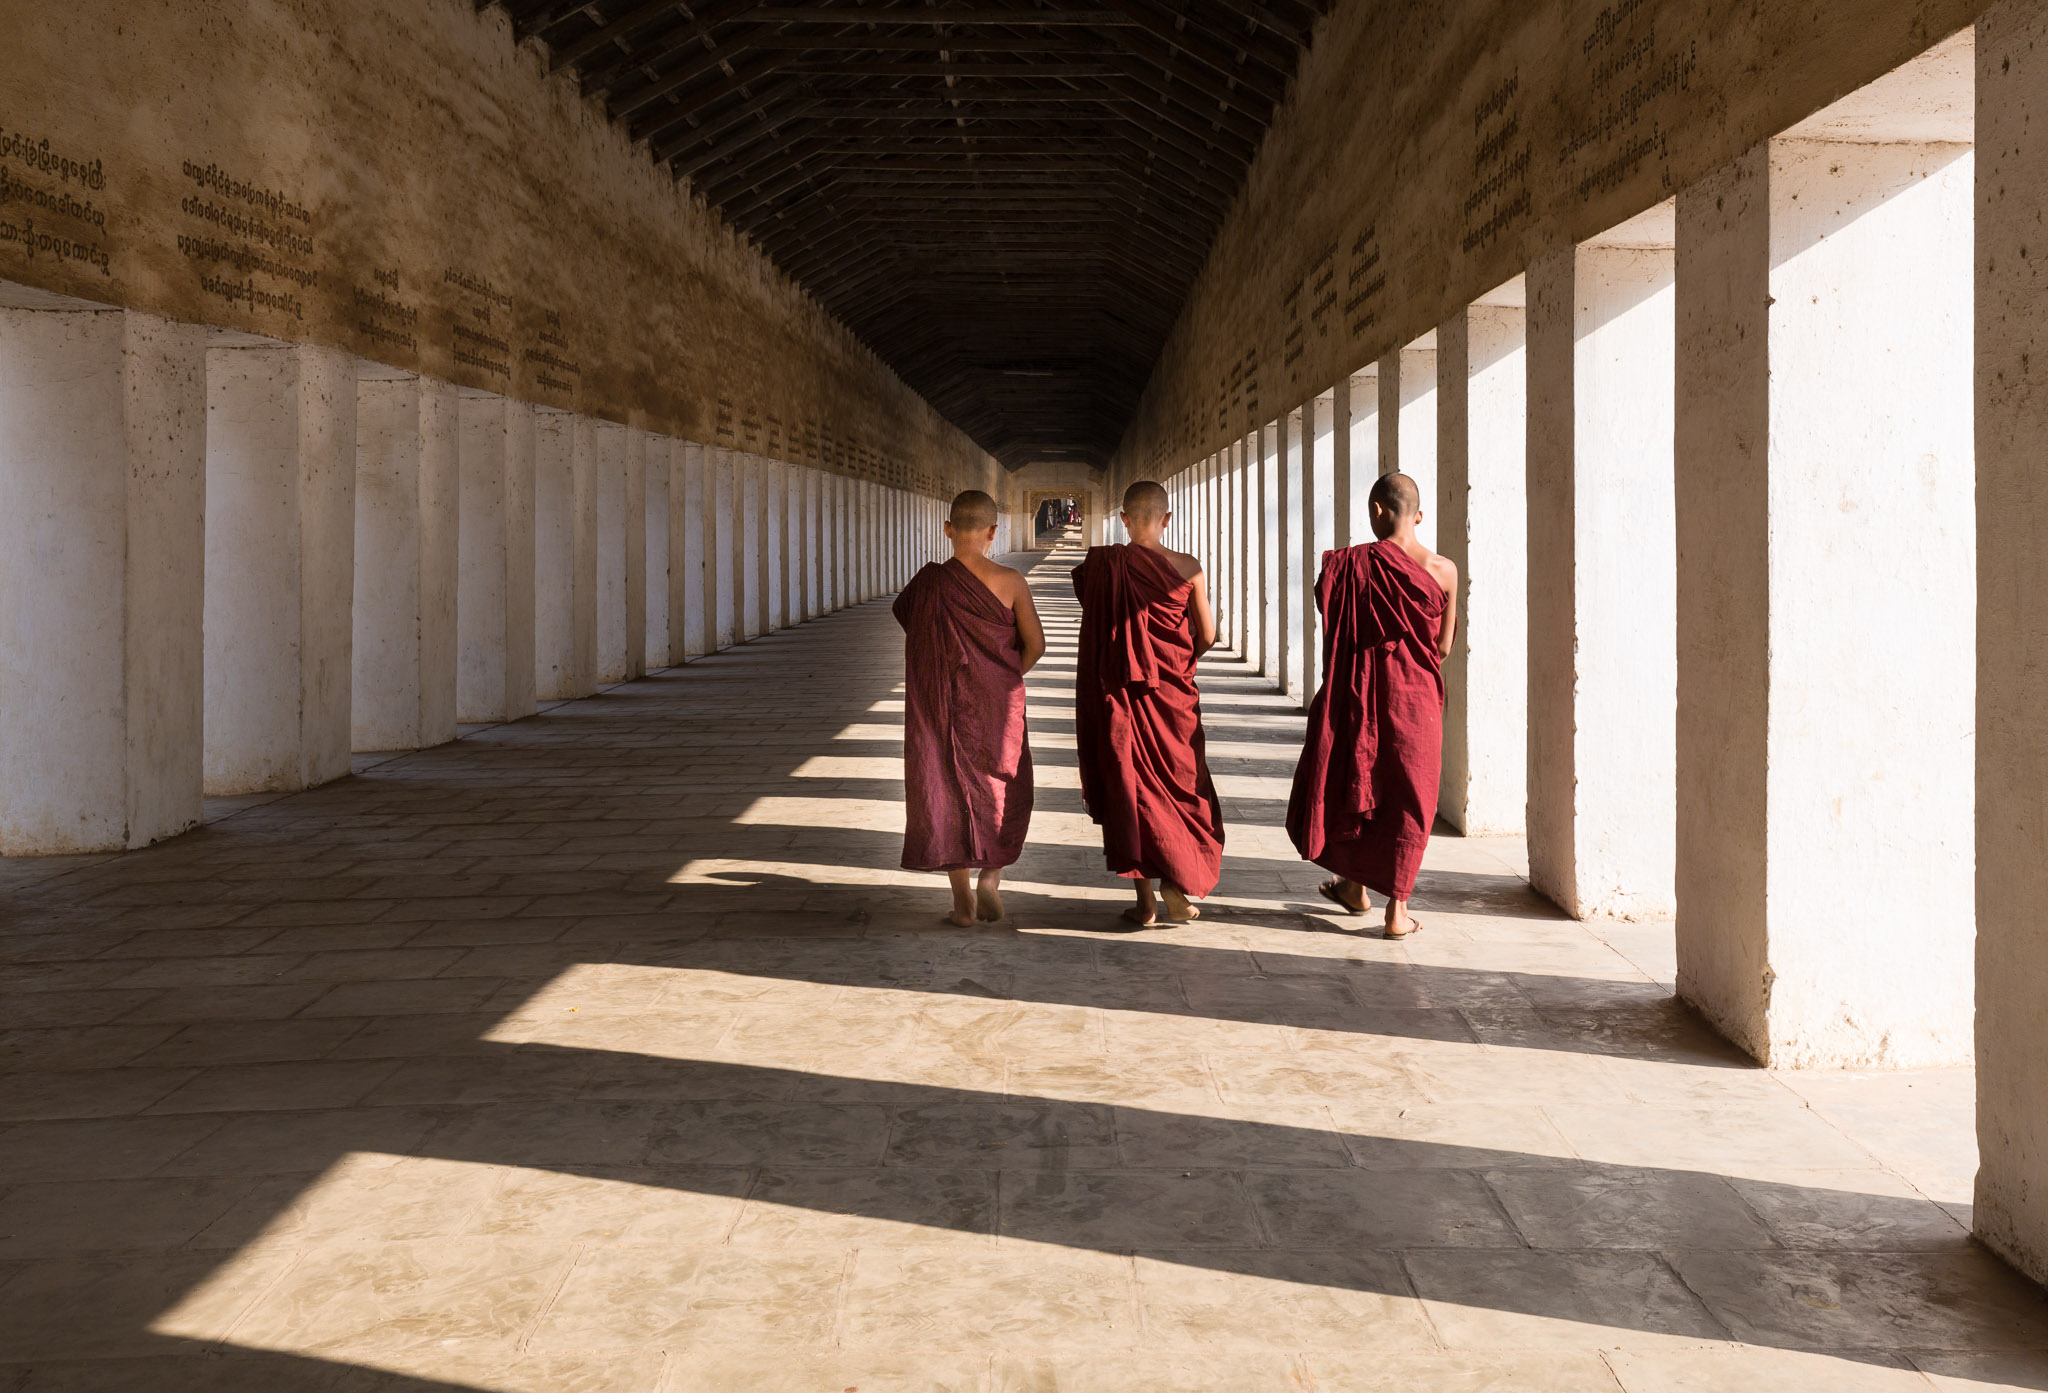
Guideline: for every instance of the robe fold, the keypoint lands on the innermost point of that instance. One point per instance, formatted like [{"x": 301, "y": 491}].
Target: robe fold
[
  {"x": 966, "y": 754},
  {"x": 1365, "y": 790},
  {"x": 1138, "y": 721}
]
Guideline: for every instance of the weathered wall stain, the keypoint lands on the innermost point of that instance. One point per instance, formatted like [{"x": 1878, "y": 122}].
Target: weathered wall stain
[
  {"x": 397, "y": 178},
  {"x": 1442, "y": 148}
]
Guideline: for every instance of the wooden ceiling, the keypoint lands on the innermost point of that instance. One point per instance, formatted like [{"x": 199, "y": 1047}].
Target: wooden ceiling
[{"x": 1007, "y": 202}]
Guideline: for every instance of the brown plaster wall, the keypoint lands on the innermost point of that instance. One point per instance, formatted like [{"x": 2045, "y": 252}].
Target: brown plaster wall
[
  {"x": 1431, "y": 150},
  {"x": 397, "y": 178}
]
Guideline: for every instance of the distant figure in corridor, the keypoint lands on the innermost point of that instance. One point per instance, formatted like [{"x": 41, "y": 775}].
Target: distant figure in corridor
[
  {"x": 1145, "y": 619},
  {"x": 970, "y": 634},
  {"x": 1365, "y": 790}
]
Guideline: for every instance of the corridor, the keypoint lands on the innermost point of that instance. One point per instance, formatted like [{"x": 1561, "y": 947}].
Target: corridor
[{"x": 604, "y": 1051}]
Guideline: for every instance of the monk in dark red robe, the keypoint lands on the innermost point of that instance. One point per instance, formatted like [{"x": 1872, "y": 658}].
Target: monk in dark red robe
[
  {"x": 1365, "y": 790},
  {"x": 1145, "y": 619},
  {"x": 970, "y": 634}
]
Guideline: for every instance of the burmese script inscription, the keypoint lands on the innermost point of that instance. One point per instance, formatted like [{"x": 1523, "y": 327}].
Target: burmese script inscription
[
  {"x": 253, "y": 244},
  {"x": 48, "y": 203}
]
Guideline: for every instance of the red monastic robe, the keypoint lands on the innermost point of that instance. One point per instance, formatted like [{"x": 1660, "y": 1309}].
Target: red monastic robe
[
  {"x": 1365, "y": 790},
  {"x": 1138, "y": 721},
  {"x": 966, "y": 755}
]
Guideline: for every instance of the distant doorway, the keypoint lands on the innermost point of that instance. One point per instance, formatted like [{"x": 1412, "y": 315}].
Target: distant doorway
[{"x": 1056, "y": 518}]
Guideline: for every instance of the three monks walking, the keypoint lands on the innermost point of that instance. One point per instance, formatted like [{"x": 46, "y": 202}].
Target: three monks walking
[{"x": 1364, "y": 792}]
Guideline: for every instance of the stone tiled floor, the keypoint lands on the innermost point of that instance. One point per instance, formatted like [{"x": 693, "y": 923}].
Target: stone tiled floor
[{"x": 607, "y": 1052}]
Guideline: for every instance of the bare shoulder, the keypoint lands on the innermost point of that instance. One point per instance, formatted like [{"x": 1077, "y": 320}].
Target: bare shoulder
[
  {"x": 1013, "y": 582},
  {"x": 1188, "y": 566},
  {"x": 1444, "y": 571}
]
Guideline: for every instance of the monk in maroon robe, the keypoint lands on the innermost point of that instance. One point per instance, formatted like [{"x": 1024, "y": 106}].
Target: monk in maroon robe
[
  {"x": 1145, "y": 619},
  {"x": 970, "y": 634},
  {"x": 1365, "y": 790}
]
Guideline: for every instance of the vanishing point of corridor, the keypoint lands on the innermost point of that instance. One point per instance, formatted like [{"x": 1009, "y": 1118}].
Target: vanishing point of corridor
[{"x": 603, "y": 1051}]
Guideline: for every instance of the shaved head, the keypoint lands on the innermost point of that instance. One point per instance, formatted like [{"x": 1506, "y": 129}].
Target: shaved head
[
  {"x": 973, "y": 511},
  {"x": 1145, "y": 501},
  {"x": 1397, "y": 494}
]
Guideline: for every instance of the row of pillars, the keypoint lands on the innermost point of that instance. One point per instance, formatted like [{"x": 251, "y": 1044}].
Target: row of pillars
[
  {"x": 227, "y": 563},
  {"x": 1749, "y": 503},
  {"x": 1707, "y": 480}
]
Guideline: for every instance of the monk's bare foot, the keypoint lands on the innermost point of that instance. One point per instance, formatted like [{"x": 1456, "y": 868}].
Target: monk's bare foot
[
  {"x": 1178, "y": 907},
  {"x": 1347, "y": 895},
  {"x": 1146, "y": 910},
  {"x": 987, "y": 903},
  {"x": 1399, "y": 924},
  {"x": 963, "y": 901}
]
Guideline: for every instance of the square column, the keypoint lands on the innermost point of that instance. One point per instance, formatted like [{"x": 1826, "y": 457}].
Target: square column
[
  {"x": 494, "y": 599},
  {"x": 1318, "y": 530},
  {"x": 828, "y": 542},
  {"x": 1483, "y": 527},
  {"x": 1602, "y": 654},
  {"x": 1407, "y": 429},
  {"x": 619, "y": 462},
  {"x": 1826, "y": 553},
  {"x": 1272, "y": 609},
  {"x": 102, "y": 554},
  {"x": 280, "y": 564},
  {"x": 775, "y": 544},
  {"x": 1294, "y": 589},
  {"x": 663, "y": 646},
  {"x": 754, "y": 547},
  {"x": 1250, "y": 572},
  {"x": 1341, "y": 486},
  {"x": 726, "y": 486},
  {"x": 408, "y": 523},
  {"x": 1362, "y": 443},
  {"x": 2011, "y": 1209},
  {"x": 564, "y": 559},
  {"x": 692, "y": 582}
]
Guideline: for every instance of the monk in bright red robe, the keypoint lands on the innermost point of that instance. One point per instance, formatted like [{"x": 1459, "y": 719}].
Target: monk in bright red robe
[
  {"x": 1365, "y": 790},
  {"x": 970, "y": 634},
  {"x": 1145, "y": 619}
]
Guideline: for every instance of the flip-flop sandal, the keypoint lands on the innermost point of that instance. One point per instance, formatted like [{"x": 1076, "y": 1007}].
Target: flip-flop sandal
[
  {"x": 1414, "y": 928},
  {"x": 1328, "y": 890}
]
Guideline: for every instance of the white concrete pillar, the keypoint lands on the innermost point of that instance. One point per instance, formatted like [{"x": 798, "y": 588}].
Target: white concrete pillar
[
  {"x": 102, "y": 557},
  {"x": 564, "y": 558},
  {"x": 692, "y": 585},
  {"x": 1340, "y": 487},
  {"x": 408, "y": 521},
  {"x": 1407, "y": 427},
  {"x": 1363, "y": 444},
  {"x": 774, "y": 544},
  {"x": 795, "y": 556},
  {"x": 1319, "y": 428},
  {"x": 1295, "y": 623},
  {"x": 1483, "y": 527},
  {"x": 619, "y": 467},
  {"x": 727, "y": 488},
  {"x": 1272, "y": 611},
  {"x": 1250, "y": 507},
  {"x": 494, "y": 601},
  {"x": 1825, "y": 474},
  {"x": 814, "y": 544},
  {"x": 865, "y": 542},
  {"x": 754, "y": 527},
  {"x": 2011, "y": 1209},
  {"x": 1602, "y": 655},
  {"x": 280, "y": 555},
  {"x": 828, "y": 542},
  {"x": 660, "y": 531}
]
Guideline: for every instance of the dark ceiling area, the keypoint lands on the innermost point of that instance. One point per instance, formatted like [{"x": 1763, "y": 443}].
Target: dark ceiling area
[{"x": 1008, "y": 202}]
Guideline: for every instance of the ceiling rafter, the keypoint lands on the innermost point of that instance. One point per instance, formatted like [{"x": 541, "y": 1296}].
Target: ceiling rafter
[{"x": 1006, "y": 199}]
